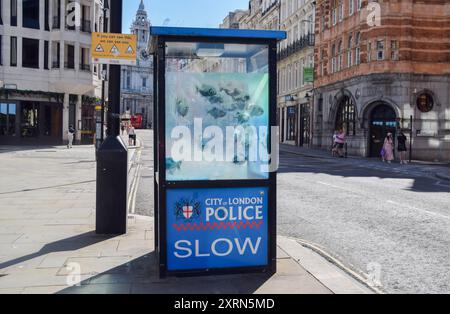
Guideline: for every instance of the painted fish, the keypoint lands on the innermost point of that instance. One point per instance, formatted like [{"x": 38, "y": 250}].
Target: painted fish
[
  {"x": 231, "y": 92},
  {"x": 242, "y": 117},
  {"x": 207, "y": 91},
  {"x": 217, "y": 113},
  {"x": 256, "y": 111},
  {"x": 217, "y": 99},
  {"x": 182, "y": 107},
  {"x": 172, "y": 165}
]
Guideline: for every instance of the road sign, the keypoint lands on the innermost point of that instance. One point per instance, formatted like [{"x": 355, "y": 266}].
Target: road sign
[
  {"x": 217, "y": 228},
  {"x": 118, "y": 49}
]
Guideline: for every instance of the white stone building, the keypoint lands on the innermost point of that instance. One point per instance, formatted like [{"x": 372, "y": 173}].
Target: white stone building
[
  {"x": 48, "y": 81},
  {"x": 137, "y": 81}
]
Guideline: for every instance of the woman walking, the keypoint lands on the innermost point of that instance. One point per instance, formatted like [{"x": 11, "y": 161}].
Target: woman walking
[
  {"x": 401, "y": 139},
  {"x": 340, "y": 142},
  {"x": 388, "y": 149}
]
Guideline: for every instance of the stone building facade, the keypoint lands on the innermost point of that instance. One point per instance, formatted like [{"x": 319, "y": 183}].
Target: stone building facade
[
  {"x": 374, "y": 77},
  {"x": 137, "y": 81},
  {"x": 295, "y": 55}
]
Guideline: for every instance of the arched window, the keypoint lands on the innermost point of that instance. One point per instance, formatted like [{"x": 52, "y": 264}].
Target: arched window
[
  {"x": 358, "y": 49},
  {"x": 350, "y": 52},
  {"x": 339, "y": 66},
  {"x": 346, "y": 115}
]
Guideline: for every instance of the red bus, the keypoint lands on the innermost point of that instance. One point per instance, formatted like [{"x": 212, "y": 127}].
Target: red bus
[{"x": 136, "y": 121}]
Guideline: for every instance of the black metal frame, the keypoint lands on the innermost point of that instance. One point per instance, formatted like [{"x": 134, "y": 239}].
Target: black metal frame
[{"x": 161, "y": 185}]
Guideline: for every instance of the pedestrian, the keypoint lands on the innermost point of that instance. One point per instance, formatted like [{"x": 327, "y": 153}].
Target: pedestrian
[
  {"x": 401, "y": 139},
  {"x": 70, "y": 136},
  {"x": 334, "y": 146},
  {"x": 340, "y": 142},
  {"x": 131, "y": 136},
  {"x": 122, "y": 127},
  {"x": 388, "y": 149}
]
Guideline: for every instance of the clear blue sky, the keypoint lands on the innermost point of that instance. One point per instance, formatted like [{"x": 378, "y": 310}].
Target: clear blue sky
[{"x": 183, "y": 13}]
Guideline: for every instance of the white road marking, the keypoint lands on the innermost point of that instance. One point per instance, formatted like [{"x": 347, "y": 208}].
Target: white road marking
[
  {"x": 330, "y": 185},
  {"x": 418, "y": 209},
  {"x": 439, "y": 183}
]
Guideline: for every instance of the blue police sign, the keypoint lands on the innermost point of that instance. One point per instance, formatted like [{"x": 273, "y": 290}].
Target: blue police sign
[{"x": 217, "y": 228}]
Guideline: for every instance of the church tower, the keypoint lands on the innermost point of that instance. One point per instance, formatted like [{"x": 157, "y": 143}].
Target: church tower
[{"x": 137, "y": 81}]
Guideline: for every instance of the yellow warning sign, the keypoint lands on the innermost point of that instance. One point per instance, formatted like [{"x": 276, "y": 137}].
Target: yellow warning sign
[{"x": 117, "y": 49}]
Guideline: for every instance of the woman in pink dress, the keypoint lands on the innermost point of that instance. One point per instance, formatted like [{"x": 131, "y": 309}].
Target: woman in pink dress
[{"x": 388, "y": 148}]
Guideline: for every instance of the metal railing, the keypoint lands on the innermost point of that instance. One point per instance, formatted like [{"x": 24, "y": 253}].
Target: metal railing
[{"x": 296, "y": 46}]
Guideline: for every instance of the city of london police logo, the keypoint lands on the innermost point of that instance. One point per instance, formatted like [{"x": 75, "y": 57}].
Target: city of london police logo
[{"x": 187, "y": 210}]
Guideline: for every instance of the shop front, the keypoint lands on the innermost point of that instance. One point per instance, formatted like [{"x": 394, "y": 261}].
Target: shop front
[{"x": 30, "y": 123}]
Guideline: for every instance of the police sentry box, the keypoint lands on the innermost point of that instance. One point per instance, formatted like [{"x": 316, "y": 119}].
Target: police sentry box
[{"x": 216, "y": 150}]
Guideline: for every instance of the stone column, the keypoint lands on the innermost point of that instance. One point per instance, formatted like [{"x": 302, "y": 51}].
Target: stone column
[
  {"x": 65, "y": 117},
  {"x": 77, "y": 125}
]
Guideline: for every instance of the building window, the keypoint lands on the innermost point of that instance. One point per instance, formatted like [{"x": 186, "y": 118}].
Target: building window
[
  {"x": 70, "y": 57},
  {"x": 13, "y": 12},
  {"x": 369, "y": 51},
  {"x": 1, "y": 12},
  {"x": 30, "y": 13},
  {"x": 144, "y": 82},
  {"x": 30, "y": 53},
  {"x": 394, "y": 50},
  {"x": 341, "y": 12},
  {"x": 46, "y": 13},
  {"x": 358, "y": 5},
  {"x": 350, "y": 52},
  {"x": 1, "y": 49},
  {"x": 46, "y": 54},
  {"x": 333, "y": 58},
  {"x": 13, "y": 56},
  {"x": 351, "y": 8},
  {"x": 380, "y": 50},
  {"x": 7, "y": 119},
  {"x": 322, "y": 22},
  {"x": 334, "y": 16},
  {"x": 56, "y": 55},
  {"x": 340, "y": 59},
  {"x": 358, "y": 49}
]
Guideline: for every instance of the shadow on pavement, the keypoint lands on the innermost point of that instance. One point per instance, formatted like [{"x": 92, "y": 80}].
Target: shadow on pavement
[
  {"x": 70, "y": 244},
  {"x": 140, "y": 276}
]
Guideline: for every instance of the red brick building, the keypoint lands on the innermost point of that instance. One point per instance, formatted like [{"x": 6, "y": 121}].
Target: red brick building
[{"x": 378, "y": 63}]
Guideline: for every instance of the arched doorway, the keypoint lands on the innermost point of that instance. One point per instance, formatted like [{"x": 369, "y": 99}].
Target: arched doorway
[{"x": 383, "y": 120}]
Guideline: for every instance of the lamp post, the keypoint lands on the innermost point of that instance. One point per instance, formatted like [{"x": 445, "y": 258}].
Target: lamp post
[{"x": 104, "y": 73}]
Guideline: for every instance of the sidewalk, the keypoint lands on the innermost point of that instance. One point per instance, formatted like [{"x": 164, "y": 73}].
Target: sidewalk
[
  {"x": 416, "y": 168},
  {"x": 47, "y": 222}
]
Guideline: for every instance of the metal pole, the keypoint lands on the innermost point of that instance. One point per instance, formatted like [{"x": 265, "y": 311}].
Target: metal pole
[
  {"x": 103, "y": 75},
  {"x": 102, "y": 118},
  {"x": 410, "y": 138}
]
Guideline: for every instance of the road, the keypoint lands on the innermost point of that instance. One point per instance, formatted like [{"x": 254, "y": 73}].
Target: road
[{"x": 381, "y": 220}]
